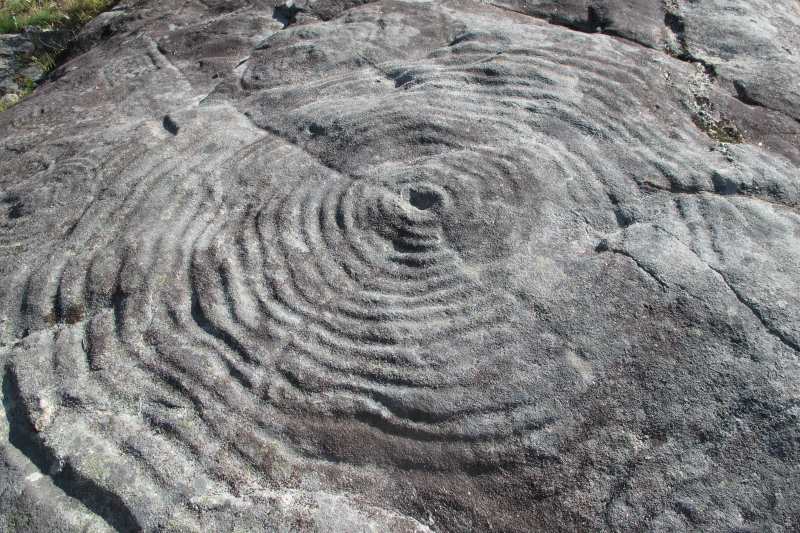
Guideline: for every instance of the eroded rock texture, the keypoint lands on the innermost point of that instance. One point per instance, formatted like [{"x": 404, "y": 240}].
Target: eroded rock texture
[{"x": 403, "y": 265}]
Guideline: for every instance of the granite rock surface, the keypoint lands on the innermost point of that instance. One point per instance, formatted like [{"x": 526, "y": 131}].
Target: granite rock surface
[{"x": 406, "y": 266}]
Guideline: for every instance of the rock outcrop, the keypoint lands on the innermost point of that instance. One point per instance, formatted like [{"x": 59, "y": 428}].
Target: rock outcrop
[
  {"x": 21, "y": 61},
  {"x": 406, "y": 266}
]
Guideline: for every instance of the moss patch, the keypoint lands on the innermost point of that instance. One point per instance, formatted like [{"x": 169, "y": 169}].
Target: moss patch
[{"x": 714, "y": 125}]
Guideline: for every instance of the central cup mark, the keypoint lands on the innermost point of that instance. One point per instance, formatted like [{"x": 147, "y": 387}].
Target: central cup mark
[{"x": 423, "y": 199}]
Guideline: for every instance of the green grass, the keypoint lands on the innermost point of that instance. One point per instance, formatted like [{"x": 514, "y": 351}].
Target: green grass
[
  {"x": 15, "y": 15},
  {"x": 46, "y": 60}
]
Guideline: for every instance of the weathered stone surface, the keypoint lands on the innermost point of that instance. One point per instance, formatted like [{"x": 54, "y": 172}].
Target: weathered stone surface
[{"x": 404, "y": 266}]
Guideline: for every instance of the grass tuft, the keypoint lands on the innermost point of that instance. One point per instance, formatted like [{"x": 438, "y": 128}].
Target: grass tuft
[
  {"x": 46, "y": 60},
  {"x": 16, "y": 15}
]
